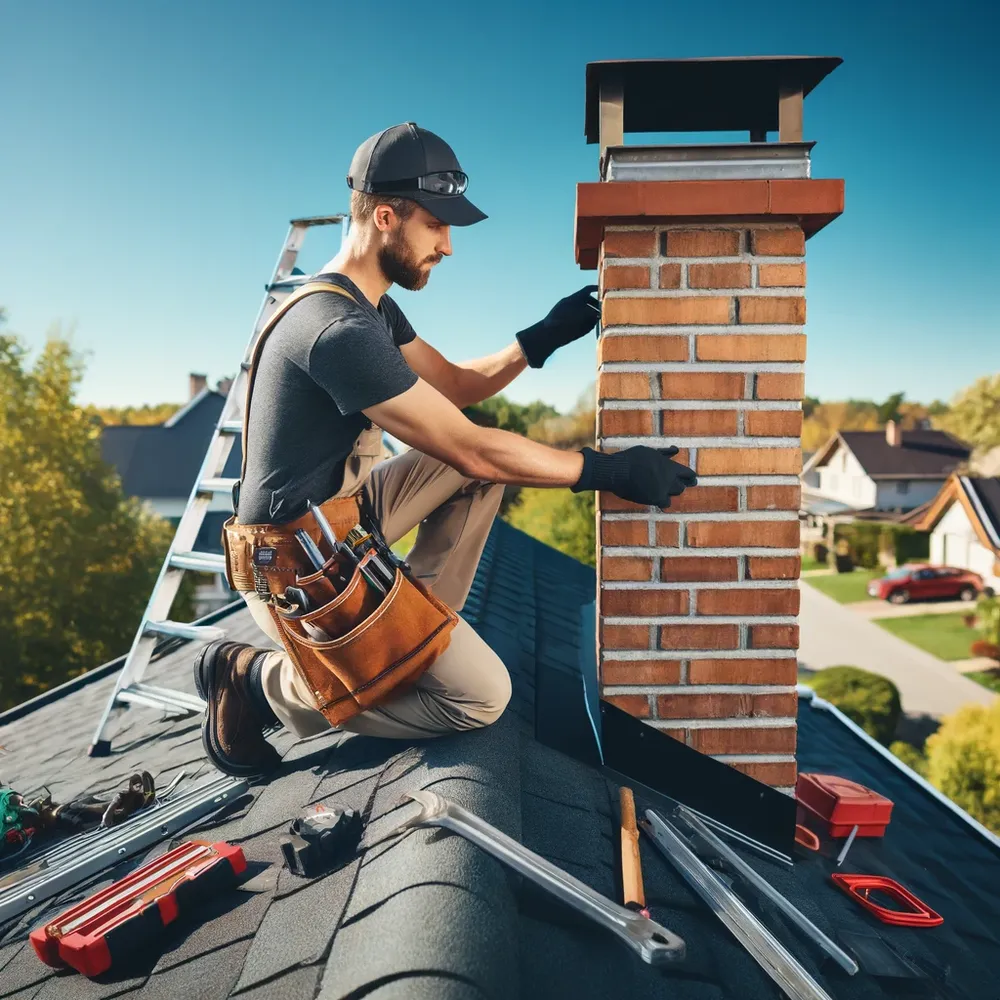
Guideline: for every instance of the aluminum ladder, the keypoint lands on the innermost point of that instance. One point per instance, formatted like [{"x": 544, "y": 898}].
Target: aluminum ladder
[{"x": 181, "y": 557}]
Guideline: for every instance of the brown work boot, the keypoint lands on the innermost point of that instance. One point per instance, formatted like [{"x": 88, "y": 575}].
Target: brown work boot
[{"x": 233, "y": 730}]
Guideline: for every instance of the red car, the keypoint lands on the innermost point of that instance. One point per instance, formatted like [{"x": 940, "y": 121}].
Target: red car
[{"x": 915, "y": 583}]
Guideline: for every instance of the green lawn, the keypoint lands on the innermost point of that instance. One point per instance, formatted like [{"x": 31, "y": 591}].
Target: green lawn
[
  {"x": 946, "y": 636},
  {"x": 988, "y": 678},
  {"x": 845, "y": 588},
  {"x": 809, "y": 563}
]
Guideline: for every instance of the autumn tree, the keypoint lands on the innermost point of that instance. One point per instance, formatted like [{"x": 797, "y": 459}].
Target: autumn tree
[
  {"x": 147, "y": 414},
  {"x": 974, "y": 415},
  {"x": 78, "y": 558}
]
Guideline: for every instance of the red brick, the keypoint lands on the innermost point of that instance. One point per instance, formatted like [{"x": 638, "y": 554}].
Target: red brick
[
  {"x": 774, "y": 423},
  {"x": 699, "y": 636},
  {"x": 764, "y": 671},
  {"x": 773, "y": 567},
  {"x": 774, "y": 497},
  {"x": 726, "y": 706},
  {"x": 705, "y": 499},
  {"x": 616, "y": 423},
  {"x": 743, "y": 534},
  {"x": 781, "y": 275},
  {"x": 666, "y": 533},
  {"x": 638, "y": 243},
  {"x": 609, "y": 502},
  {"x": 625, "y": 533},
  {"x": 751, "y": 601},
  {"x": 625, "y": 277},
  {"x": 719, "y": 276},
  {"x": 778, "y": 774},
  {"x": 774, "y": 637},
  {"x": 691, "y": 569},
  {"x": 749, "y": 461},
  {"x": 627, "y": 568},
  {"x": 746, "y": 739},
  {"x": 778, "y": 242},
  {"x": 670, "y": 276},
  {"x": 641, "y": 672},
  {"x": 702, "y": 243},
  {"x": 751, "y": 347},
  {"x": 634, "y": 704},
  {"x": 623, "y": 385},
  {"x": 624, "y": 636},
  {"x": 772, "y": 309},
  {"x": 641, "y": 347},
  {"x": 702, "y": 385},
  {"x": 698, "y": 423},
  {"x": 643, "y": 601},
  {"x": 770, "y": 386},
  {"x": 645, "y": 311}
]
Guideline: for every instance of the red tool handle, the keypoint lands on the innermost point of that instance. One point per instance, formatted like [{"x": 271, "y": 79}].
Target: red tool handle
[{"x": 858, "y": 887}]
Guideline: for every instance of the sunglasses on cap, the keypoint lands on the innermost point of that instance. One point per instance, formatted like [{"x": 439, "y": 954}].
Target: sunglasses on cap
[{"x": 446, "y": 182}]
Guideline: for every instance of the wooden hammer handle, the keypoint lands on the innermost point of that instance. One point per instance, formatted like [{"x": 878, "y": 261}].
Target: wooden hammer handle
[{"x": 635, "y": 897}]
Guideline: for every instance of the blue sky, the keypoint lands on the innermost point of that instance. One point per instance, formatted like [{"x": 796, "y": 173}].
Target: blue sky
[{"x": 153, "y": 153}]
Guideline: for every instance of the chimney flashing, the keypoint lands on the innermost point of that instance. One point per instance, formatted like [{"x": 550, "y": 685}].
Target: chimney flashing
[{"x": 716, "y": 161}]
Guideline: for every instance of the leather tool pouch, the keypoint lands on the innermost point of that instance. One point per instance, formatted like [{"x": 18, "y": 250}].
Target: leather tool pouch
[{"x": 358, "y": 648}]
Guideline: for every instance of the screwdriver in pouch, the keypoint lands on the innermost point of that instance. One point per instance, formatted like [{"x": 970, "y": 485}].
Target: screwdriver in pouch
[
  {"x": 362, "y": 542},
  {"x": 339, "y": 548}
]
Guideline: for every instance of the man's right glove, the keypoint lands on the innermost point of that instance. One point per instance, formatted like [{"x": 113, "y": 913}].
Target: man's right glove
[{"x": 640, "y": 474}]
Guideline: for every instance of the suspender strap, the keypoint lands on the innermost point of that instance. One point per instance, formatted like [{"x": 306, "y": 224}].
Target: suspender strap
[{"x": 307, "y": 289}]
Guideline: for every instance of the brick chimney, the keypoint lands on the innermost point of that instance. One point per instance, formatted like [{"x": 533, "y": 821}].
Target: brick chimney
[
  {"x": 894, "y": 434},
  {"x": 196, "y": 384},
  {"x": 700, "y": 256}
]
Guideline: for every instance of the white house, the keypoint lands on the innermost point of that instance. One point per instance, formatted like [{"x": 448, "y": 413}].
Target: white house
[
  {"x": 890, "y": 470},
  {"x": 964, "y": 522}
]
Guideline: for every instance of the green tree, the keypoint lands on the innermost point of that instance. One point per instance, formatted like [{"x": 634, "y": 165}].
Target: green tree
[
  {"x": 870, "y": 700},
  {"x": 79, "y": 558},
  {"x": 963, "y": 761},
  {"x": 909, "y": 755},
  {"x": 560, "y": 518},
  {"x": 889, "y": 410},
  {"x": 974, "y": 415},
  {"x": 499, "y": 411},
  {"x": 148, "y": 413}
]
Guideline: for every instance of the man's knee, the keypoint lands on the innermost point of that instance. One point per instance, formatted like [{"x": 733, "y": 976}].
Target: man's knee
[{"x": 493, "y": 694}]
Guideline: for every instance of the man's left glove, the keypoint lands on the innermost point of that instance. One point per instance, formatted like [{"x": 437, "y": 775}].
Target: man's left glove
[{"x": 568, "y": 320}]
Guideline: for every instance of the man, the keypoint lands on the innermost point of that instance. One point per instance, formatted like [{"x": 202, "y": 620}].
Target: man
[{"x": 332, "y": 373}]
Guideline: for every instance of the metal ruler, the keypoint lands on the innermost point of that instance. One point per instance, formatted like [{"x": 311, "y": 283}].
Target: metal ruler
[
  {"x": 209, "y": 483},
  {"x": 84, "y": 855}
]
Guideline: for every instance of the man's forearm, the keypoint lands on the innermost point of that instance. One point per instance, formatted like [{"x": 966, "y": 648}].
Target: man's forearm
[
  {"x": 498, "y": 456},
  {"x": 484, "y": 377}
]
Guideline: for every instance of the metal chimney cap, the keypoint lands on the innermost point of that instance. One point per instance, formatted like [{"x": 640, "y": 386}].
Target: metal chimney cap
[{"x": 730, "y": 94}]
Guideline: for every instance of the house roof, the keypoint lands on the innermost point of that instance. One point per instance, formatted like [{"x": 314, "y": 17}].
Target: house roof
[
  {"x": 979, "y": 496},
  {"x": 923, "y": 454},
  {"x": 163, "y": 460},
  {"x": 431, "y": 915}
]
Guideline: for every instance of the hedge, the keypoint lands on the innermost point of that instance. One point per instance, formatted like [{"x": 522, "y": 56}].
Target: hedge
[{"x": 870, "y": 700}]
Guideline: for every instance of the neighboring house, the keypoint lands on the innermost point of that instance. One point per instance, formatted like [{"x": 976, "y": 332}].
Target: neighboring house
[
  {"x": 880, "y": 471},
  {"x": 159, "y": 464},
  {"x": 964, "y": 522},
  {"x": 429, "y": 915}
]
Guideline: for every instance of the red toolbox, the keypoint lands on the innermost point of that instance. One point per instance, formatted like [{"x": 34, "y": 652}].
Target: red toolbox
[
  {"x": 843, "y": 804},
  {"x": 129, "y": 914}
]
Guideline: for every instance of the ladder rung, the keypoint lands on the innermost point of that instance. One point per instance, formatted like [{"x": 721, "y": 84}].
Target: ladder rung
[
  {"x": 200, "y": 562},
  {"x": 133, "y": 695},
  {"x": 217, "y": 485},
  {"x": 231, "y": 427},
  {"x": 318, "y": 220},
  {"x": 291, "y": 282},
  {"x": 182, "y": 630},
  {"x": 182, "y": 698}
]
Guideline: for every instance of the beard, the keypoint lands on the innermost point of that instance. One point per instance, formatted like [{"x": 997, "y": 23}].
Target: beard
[{"x": 400, "y": 266}]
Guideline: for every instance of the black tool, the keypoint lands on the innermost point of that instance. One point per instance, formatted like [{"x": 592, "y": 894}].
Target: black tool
[
  {"x": 310, "y": 548},
  {"x": 296, "y": 595},
  {"x": 362, "y": 542},
  {"x": 320, "y": 840}
]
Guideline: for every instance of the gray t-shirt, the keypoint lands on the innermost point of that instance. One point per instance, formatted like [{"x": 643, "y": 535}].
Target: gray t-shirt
[{"x": 325, "y": 361}]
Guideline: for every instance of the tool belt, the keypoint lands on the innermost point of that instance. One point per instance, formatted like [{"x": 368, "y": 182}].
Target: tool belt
[{"x": 357, "y": 647}]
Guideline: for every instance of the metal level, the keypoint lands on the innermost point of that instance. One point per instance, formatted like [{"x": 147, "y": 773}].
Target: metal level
[
  {"x": 84, "y": 855},
  {"x": 209, "y": 483}
]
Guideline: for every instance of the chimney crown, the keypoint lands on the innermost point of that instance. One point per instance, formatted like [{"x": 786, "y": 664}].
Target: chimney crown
[{"x": 894, "y": 434}]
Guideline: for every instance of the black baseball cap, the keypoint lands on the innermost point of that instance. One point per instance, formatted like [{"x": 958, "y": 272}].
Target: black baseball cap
[{"x": 407, "y": 161}]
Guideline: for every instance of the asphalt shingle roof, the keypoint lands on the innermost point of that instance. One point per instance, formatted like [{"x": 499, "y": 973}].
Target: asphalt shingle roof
[
  {"x": 430, "y": 915},
  {"x": 921, "y": 453},
  {"x": 988, "y": 493}
]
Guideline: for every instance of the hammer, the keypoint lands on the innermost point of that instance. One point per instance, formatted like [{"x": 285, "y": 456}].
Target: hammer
[{"x": 632, "y": 891}]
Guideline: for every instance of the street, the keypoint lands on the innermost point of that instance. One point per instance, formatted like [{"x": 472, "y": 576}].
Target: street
[{"x": 832, "y": 634}]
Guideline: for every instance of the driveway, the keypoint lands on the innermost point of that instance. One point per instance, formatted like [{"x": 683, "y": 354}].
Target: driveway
[
  {"x": 883, "y": 609},
  {"x": 833, "y": 634}
]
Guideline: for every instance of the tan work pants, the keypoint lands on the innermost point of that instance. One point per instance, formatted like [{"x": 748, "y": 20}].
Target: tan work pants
[{"x": 467, "y": 686}]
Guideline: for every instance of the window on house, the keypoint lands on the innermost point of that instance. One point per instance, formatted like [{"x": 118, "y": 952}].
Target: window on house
[{"x": 903, "y": 486}]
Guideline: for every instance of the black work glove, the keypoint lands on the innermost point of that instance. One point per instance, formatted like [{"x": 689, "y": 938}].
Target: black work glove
[
  {"x": 568, "y": 320},
  {"x": 640, "y": 474}
]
